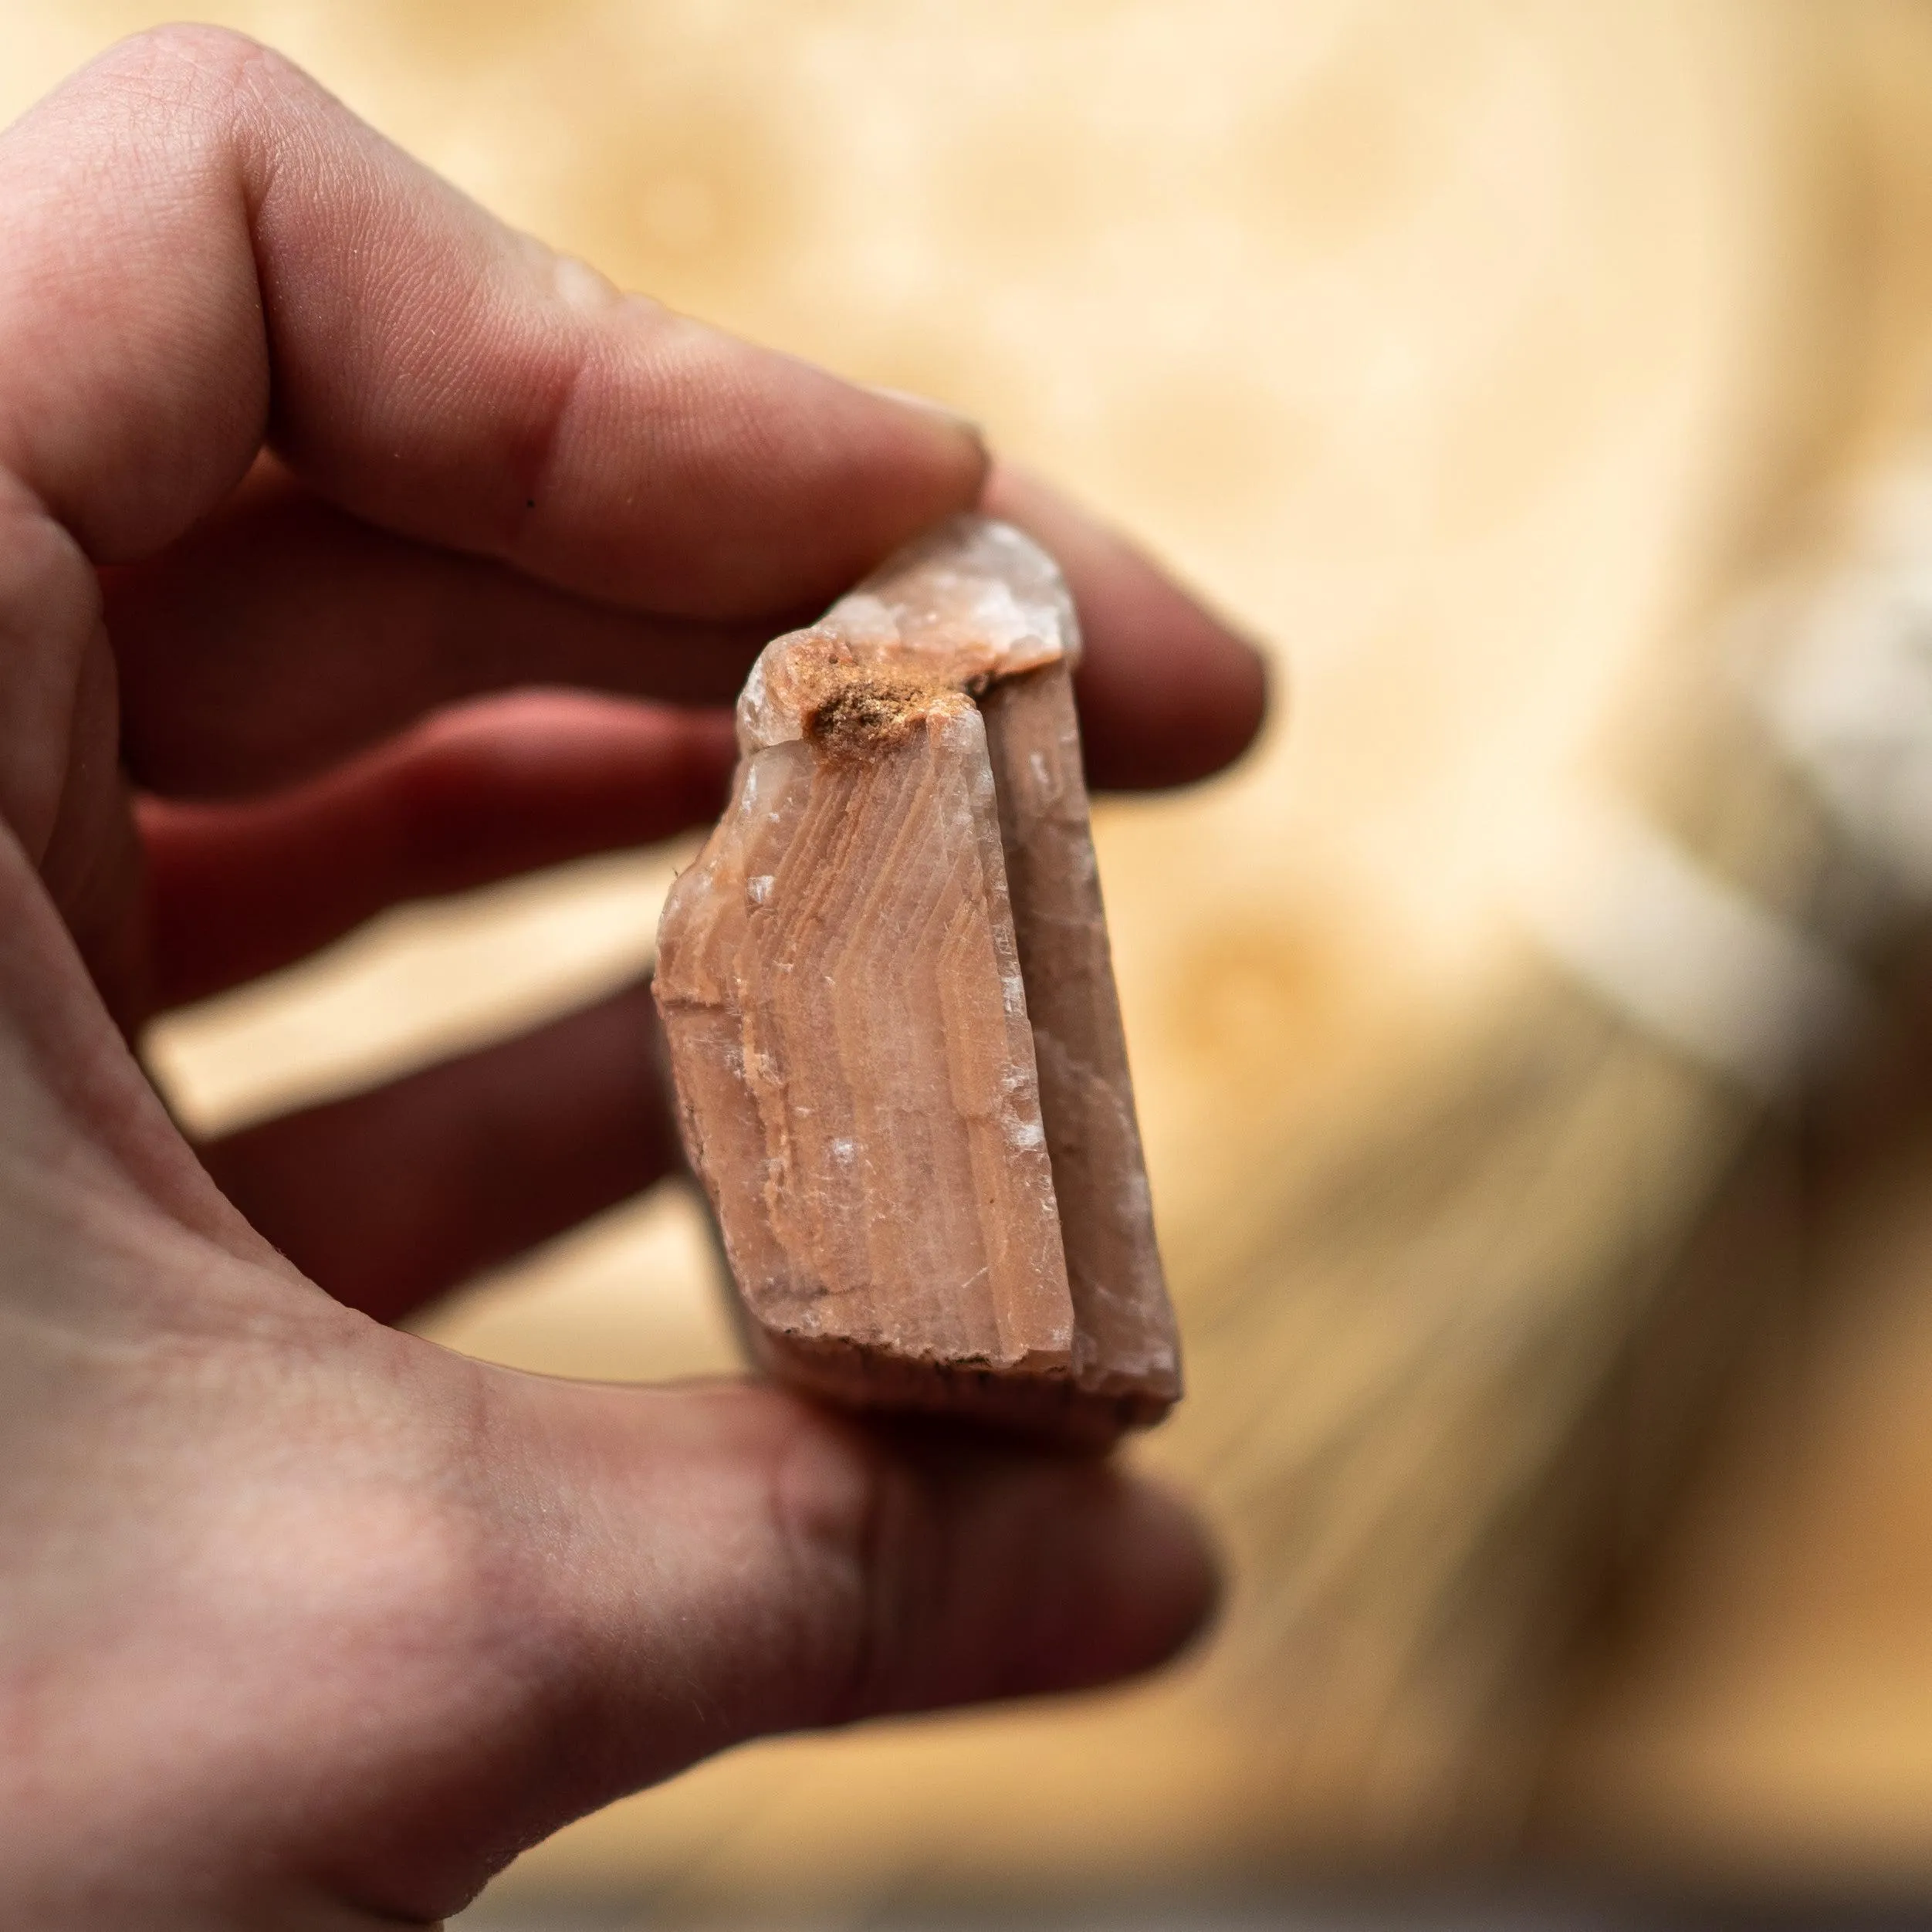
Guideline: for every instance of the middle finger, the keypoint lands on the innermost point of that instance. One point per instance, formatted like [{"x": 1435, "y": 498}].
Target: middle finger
[
  {"x": 283, "y": 635},
  {"x": 492, "y": 789}
]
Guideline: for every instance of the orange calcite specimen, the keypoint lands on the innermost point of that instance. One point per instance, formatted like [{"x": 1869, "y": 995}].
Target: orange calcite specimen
[{"x": 894, "y": 1032}]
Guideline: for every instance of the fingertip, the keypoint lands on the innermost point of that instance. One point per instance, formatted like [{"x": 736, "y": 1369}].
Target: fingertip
[
  {"x": 1062, "y": 1572},
  {"x": 709, "y": 739},
  {"x": 768, "y": 484},
  {"x": 558, "y": 740},
  {"x": 961, "y": 431},
  {"x": 1170, "y": 693},
  {"x": 911, "y": 459},
  {"x": 1142, "y": 1583},
  {"x": 1173, "y": 696}
]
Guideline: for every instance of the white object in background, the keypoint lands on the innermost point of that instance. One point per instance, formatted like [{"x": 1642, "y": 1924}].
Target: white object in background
[{"x": 1682, "y": 954}]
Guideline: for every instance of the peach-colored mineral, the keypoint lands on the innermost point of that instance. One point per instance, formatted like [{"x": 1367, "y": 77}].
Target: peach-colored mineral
[{"x": 894, "y": 1032}]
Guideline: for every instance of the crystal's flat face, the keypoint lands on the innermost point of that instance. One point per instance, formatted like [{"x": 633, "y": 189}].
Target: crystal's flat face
[{"x": 891, "y": 1014}]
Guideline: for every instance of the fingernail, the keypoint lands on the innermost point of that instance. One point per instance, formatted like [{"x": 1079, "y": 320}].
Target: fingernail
[{"x": 907, "y": 399}]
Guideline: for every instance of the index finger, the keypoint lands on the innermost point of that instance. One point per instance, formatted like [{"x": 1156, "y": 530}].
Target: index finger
[{"x": 203, "y": 249}]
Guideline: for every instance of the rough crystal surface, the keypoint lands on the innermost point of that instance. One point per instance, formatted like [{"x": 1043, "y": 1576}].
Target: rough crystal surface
[{"x": 890, "y": 1004}]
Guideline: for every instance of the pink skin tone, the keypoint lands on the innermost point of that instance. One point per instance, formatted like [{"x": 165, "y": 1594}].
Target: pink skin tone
[{"x": 347, "y": 539}]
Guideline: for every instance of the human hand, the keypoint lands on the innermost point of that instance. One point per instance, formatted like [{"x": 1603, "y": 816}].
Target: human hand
[{"x": 304, "y": 1621}]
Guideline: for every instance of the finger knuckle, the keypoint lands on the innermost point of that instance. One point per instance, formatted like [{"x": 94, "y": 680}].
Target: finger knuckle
[{"x": 865, "y": 1553}]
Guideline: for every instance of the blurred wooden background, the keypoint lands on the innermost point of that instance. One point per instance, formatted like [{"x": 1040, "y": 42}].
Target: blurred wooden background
[{"x": 1473, "y": 355}]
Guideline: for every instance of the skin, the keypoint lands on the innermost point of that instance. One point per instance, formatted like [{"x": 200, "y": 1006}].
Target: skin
[{"x": 344, "y": 535}]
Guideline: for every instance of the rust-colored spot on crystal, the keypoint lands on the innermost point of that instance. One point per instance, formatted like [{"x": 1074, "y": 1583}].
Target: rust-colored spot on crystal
[{"x": 867, "y": 710}]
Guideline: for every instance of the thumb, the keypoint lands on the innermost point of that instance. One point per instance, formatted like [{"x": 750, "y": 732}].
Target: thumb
[
  {"x": 740, "y": 1562},
  {"x": 712, "y": 1562},
  {"x": 808, "y": 1570}
]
